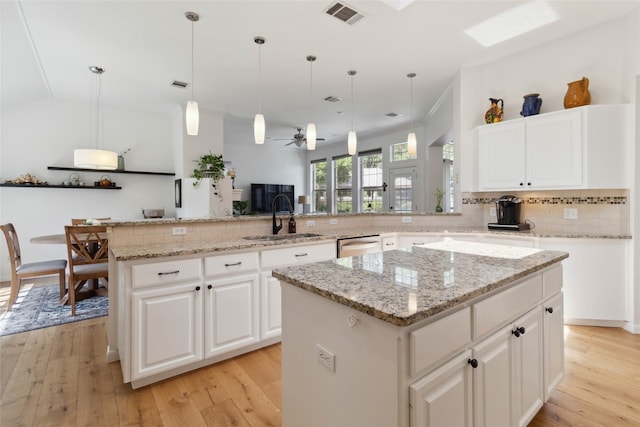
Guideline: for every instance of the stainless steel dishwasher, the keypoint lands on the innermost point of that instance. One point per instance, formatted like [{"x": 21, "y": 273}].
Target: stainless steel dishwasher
[{"x": 353, "y": 246}]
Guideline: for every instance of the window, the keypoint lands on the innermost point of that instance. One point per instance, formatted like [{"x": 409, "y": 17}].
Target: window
[
  {"x": 400, "y": 152},
  {"x": 319, "y": 185},
  {"x": 401, "y": 189},
  {"x": 343, "y": 181},
  {"x": 371, "y": 181}
]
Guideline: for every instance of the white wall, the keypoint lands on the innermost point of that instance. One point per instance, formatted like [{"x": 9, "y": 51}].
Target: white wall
[{"x": 45, "y": 133}]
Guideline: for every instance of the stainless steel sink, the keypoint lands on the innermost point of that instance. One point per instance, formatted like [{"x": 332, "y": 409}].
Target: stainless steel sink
[{"x": 291, "y": 236}]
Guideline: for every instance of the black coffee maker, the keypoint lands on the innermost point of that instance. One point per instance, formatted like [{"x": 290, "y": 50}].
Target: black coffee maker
[{"x": 508, "y": 214}]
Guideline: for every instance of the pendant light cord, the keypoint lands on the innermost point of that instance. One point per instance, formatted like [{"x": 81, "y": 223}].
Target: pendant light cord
[
  {"x": 192, "y": 50},
  {"x": 259, "y": 77},
  {"x": 411, "y": 76},
  {"x": 99, "y": 115}
]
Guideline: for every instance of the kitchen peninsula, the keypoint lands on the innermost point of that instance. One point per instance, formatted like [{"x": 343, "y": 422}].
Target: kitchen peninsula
[{"x": 447, "y": 333}]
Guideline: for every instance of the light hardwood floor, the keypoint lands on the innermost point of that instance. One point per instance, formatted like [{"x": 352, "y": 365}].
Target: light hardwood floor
[{"x": 59, "y": 376}]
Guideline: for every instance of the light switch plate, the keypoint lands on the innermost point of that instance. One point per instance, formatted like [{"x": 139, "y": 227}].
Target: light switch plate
[
  {"x": 179, "y": 231},
  {"x": 570, "y": 213}
]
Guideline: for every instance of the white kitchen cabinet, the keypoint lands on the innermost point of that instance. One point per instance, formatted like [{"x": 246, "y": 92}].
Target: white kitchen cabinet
[
  {"x": 166, "y": 328},
  {"x": 491, "y": 365},
  {"x": 584, "y": 147},
  {"x": 596, "y": 279},
  {"x": 408, "y": 240},
  {"x": 231, "y": 313},
  {"x": 527, "y": 372},
  {"x": 443, "y": 398},
  {"x": 271, "y": 306},
  {"x": 389, "y": 242},
  {"x": 553, "y": 333}
]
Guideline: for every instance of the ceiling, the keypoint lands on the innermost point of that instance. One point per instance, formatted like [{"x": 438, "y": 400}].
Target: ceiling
[{"x": 47, "y": 47}]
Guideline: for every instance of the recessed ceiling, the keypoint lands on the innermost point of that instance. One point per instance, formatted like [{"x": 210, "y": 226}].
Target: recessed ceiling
[{"x": 145, "y": 45}]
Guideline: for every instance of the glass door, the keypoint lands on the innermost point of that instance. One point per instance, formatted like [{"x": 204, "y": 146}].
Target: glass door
[{"x": 401, "y": 197}]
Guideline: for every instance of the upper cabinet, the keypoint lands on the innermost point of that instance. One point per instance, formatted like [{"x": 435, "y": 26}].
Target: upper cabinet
[{"x": 579, "y": 148}]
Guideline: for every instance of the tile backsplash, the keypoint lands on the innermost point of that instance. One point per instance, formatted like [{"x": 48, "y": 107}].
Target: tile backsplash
[{"x": 600, "y": 212}]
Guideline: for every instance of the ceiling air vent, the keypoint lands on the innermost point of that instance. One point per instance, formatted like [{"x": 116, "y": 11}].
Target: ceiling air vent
[
  {"x": 344, "y": 13},
  {"x": 331, "y": 98},
  {"x": 178, "y": 83}
]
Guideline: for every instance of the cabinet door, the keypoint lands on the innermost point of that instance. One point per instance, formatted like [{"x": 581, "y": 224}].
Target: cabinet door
[
  {"x": 231, "y": 319},
  {"x": 271, "y": 306},
  {"x": 501, "y": 154},
  {"x": 554, "y": 150},
  {"x": 526, "y": 368},
  {"x": 553, "y": 343},
  {"x": 492, "y": 381},
  {"x": 167, "y": 328},
  {"x": 443, "y": 398}
]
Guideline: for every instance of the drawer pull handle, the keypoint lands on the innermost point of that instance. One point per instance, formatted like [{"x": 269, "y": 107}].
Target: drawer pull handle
[
  {"x": 549, "y": 310},
  {"x": 197, "y": 288},
  {"x": 233, "y": 264},
  {"x": 301, "y": 255},
  {"x": 518, "y": 331},
  {"x": 209, "y": 286},
  {"x": 165, "y": 273},
  {"x": 389, "y": 244},
  {"x": 473, "y": 363}
]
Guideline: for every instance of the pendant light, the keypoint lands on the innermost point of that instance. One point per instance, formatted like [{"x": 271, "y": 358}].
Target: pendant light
[
  {"x": 311, "y": 127},
  {"x": 96, "y": 158},
  {"x": 352, "y": 139},
  {"x": 258, "y": 123},
  {"x": 411, "y": 138},
  {"x": 192, "y": 115}
]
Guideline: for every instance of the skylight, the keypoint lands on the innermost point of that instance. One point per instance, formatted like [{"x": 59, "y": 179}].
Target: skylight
[{"x": 512, "y": 23}]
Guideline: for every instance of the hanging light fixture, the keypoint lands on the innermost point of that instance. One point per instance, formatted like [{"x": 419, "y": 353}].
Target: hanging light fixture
[
  {"x": 352, "y": 139},
  {"x": 311, "y": 127},
  {"x": 96, "y": 158},
  {"x": 192, "y": 115},
  {"x": 411, "y": 138},
  {"x": 258, "y": 123}
]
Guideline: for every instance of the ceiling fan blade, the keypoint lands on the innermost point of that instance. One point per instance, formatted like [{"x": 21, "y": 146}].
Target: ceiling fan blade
[
  {"x": 292, "y": 142},
  {"x": 319, "y": 139}
]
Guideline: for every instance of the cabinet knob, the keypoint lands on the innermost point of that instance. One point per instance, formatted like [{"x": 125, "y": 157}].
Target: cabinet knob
[
  {"x": 522, "y": 184},
  {"x": 549, "y": 310},
  {"x": 197, "y": 288},
  {"x": 518, "y": 331},
  {"x": 529, "y": 184},
  {"x": 209, "y": 286},
  {"x": 473, "y": 363}
]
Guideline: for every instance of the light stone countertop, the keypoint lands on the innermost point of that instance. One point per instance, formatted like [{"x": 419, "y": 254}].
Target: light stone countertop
[{"x": 406, "y": 286}]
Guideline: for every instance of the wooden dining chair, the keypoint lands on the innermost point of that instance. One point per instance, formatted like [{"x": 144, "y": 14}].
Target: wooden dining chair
[
  {"x": 21, "y": 271},
  {"x": 88, "y": 250}
]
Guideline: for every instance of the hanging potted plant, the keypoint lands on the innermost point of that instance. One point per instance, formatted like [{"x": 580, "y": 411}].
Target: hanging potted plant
[{"x": 209, "y": 166}]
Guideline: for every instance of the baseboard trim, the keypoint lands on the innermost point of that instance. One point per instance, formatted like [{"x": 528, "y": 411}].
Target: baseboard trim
[
  {"x": 596, "y": 322},
  {"x": 630, "y": 327}
]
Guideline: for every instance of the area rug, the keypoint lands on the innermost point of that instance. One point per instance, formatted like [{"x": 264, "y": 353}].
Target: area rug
[{"x": 38, "y": 307}]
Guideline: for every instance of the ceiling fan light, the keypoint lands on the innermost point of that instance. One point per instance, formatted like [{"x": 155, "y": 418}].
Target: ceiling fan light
[
  {"x": 352, "y": 143},
  {"x": 411, "y": 144},
  {"x": 311, "y": 136},
  {"x": 192, "y": 118},
  {"x": 259, "y": 129},
  {"x": 95, "y": 159}
]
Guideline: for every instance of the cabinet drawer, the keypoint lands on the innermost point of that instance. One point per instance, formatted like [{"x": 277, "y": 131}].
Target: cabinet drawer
[
  {"x": 232, "y": 263},
  {"x": 389, "y": 243},
  {"x": 166, "y": 272},
  {"x": 552, "y": 281},
  {"x": 433, "y": 342},
  {"x": 506, "y": 306},
  {"x": 298, "y": 255}
]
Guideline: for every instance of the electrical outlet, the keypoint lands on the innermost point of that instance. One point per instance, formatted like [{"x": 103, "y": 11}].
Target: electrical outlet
[
  {"x": 333, "y": 221},
  {"x": 311, "y": 223},
  {"x": 492, "y": 211},
  {"x": 570, "y": 213},
  {"x": 406, "y": 219},
  {"x": 179, "y": 231},
  {"x": 326, "y": 358}
]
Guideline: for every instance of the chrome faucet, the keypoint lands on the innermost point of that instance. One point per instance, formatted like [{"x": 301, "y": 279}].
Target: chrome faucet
[{"x": 275, "y": 227}]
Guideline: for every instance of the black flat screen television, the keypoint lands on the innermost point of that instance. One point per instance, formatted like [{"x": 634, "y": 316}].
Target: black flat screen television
[{"x": 262, "y": 196}]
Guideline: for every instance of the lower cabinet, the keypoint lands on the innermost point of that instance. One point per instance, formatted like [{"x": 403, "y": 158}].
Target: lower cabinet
[
  {"x": 166, "y": 328},
  {"x": 553, "y": 333},
  {"x": 230, "y": 313},
  {"x": 271, "y": 306},
  {"x": 443, "y": 398}
]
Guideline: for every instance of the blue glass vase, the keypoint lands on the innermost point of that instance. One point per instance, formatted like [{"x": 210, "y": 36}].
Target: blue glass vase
[{"x": 531, "y": 105}]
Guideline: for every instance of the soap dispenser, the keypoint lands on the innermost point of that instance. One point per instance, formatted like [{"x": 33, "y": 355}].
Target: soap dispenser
[{"x": 292, "y": 224}]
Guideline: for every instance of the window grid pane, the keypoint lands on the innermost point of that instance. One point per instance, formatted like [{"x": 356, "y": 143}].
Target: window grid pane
[
  {"x": 371, "y": 182},
  {"x": 403, "y": 195},
  {"x": 400, "y": 152},
  {"x": 319, "y": 186},
  {"x": 343, "y": 182}
]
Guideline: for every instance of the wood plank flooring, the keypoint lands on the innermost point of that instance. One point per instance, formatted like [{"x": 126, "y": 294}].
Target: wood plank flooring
[{"x": 59, "y": 376}]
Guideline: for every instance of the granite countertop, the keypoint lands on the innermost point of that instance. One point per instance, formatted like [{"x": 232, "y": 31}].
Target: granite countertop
[{"x": 406, "y": 286}]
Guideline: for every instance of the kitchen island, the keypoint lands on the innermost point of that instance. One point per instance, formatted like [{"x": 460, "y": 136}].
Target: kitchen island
[{"x": 448, "y": 333}]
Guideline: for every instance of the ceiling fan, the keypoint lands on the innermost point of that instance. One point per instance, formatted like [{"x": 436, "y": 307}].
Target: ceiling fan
[{"x": 300, "y": 139}]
